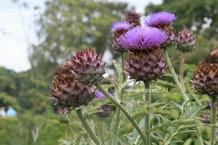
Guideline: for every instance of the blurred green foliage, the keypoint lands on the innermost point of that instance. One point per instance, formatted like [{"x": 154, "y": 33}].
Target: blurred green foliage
[{"x": 31, "y": 130}]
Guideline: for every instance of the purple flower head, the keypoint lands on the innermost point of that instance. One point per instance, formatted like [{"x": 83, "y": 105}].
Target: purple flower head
[
  {"x": 100, "y": 95},
  {"x": 160, "y": 19},
  {"x": 141, "y": 38},
  {"x": 120, "y": 26}
]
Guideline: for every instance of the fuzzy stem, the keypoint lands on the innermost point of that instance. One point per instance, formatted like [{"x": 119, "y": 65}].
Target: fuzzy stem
[
  {"x": 147, "y": 116},
  {"x": 87, "y": 127},
  {"x": 185, "y": 97},
  {"x": 182, "y": 72},
  {"x": 125, "y": 112},
  {"x": 123, "y": 66},
  {"x": 213, "y": 121}
]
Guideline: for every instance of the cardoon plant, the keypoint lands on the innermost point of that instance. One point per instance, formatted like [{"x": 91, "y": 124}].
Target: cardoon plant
[
  {"x": 145, "y": 61},
  {"x": 76, "y": 81},
  {"x": 86, "y": 67}
]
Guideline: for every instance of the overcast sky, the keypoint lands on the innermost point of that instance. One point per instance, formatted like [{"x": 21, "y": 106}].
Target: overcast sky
[{"x": 17, "y": 30}]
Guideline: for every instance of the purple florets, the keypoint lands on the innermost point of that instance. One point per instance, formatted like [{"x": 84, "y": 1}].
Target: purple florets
[
  {"x": 100, "y": 95},
  {"x": 142, "y": 38},
  {"x": 120, "y": 26},
  {"x": 160, "y": 19}
]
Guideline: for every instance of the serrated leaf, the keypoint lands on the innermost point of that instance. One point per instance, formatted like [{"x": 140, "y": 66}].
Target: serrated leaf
[
  {"x": 135, "y": 133},
  {"x": 159, "y": 111},
  {"x": 191, "y": 112},
  {"x": 141, "y": 110}
]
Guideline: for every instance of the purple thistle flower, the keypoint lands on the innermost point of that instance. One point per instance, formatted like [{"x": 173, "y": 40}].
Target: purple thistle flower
[
  {"x": 160, "y": 19},
  {"x": 100, "y": 95},
  {"x": 120, "y": 26},
  {"x": 209, "y": 104},
  {"x": 141, "y": 38}
]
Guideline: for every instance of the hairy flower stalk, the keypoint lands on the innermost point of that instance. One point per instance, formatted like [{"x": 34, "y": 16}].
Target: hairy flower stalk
[
  {"x": 178, "y": 83},
  {"x": 205, "y": 81},
  {"x": 68, "y": 93},
  {"x": 87, "y": 65},
  {"x": 87, "y": 127}
]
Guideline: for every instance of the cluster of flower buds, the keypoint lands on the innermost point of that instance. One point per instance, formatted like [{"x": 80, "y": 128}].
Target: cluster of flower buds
[
  {"x": 119, "y": 28},
  {"x": 184, "y": 40},
  {"x": 132, "y": 19},
  {"x": 145, "y": 43},
  {"x": 72, "y": 85},
  {"x": 145, "y": 61},
  {"x": 163, "y": 21}
]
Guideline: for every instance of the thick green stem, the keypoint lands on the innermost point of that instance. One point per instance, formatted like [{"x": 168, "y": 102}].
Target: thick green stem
[
  {"x": 147, "y": 116},
  {"x": 125, "y": 112},
  {"x": 123, "y": 66},
  {"x": 199, "y": 136},
  {"x": 185, "y": 96},
  {"x": 213, "y": 121},
  {"x": 87, "y": 127}
]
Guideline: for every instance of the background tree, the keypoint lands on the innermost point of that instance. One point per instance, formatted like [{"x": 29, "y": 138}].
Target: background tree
[{"x": 68, "y": 25}]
